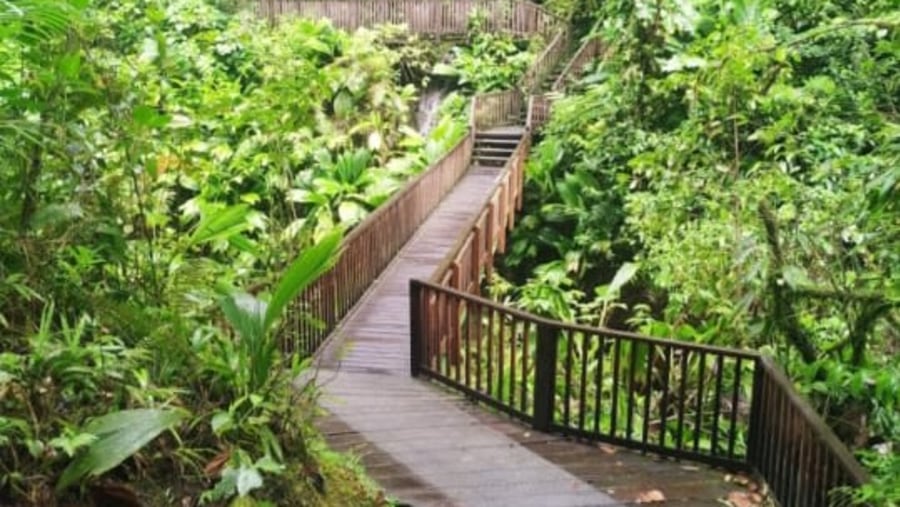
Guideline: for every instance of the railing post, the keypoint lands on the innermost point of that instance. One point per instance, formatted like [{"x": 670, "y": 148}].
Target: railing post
[
  {"x": 545, "y": 377},
  {"x": 529, "y": 115},
  {"x": 415, "y": 328},
  {"x": 754, "y": 437}
]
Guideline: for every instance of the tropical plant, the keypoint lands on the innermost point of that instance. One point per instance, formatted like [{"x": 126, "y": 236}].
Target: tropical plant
[
  {"x": 744, "y": 154},
  {"x": 152, "y": 158}
]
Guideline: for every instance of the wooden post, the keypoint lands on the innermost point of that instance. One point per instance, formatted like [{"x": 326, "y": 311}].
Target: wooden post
[
  {"x": 545, "y": 377},
  {"x": 754, "y": 437},
  {"x": 529, "y": 118},
  {"x": 415, "y": 328}
]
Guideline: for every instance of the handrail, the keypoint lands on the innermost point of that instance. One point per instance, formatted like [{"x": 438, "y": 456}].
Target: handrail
[
  {"x": 497, "y": 216},
  {"x": 367, "y": 250},
  {"x": 539, "y": 111},
  {"x": 792, "y": 447},
  {"x": 586, "y": 53},
  {"x": 497, "y": 109},
  {"x": 669, "y": 397},
  {"x": 723, "y": 406},
  {"x": 425, "y": 17},
  {"x": 540, "y": 105},
  {"x": 545, "y": 62},
  {"x": 609, "y": 386}
]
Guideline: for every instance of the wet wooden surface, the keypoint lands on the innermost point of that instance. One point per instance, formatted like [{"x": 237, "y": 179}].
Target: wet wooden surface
[{"x": 427, "y": 446}]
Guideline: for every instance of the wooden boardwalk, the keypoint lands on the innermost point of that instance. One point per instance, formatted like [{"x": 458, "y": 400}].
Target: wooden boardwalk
[{"x": 427, "y": 446}]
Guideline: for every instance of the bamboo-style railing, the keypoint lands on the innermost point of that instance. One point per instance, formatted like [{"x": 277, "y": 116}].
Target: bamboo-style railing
[{"x": 424, "y": 17}]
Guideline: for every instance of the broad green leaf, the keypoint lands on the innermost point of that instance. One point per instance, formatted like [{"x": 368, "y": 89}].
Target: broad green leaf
[
  {"x": 311, "y": 264},
  {"x": 343, "y": 104},
  {"x": 147, "y": 116},
  {"x": 624, "y": 275},
  {"x": 317, "y": 45},
  {"x": 221, "y": 422},
  {"x": 119, "y": 436},
  {"x": 70, "y": 65},
  {"x": 351, "y": 212},
  {"x": 245, "y": 479},
  {"x": 268, "y": 464},
  {"x": 246, "y": 314},
  {"x": 796, "y": 277},
  {"x": 221, "y": 224}
]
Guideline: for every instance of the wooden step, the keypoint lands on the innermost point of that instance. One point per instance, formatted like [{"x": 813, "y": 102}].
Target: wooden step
[
  {"x": 493, "y": 152},
  {"x": 496, "y": 144},
  {"x": 492, "y": 161},
  {"x": 498, "y": 136},
  {"x": 496, "y": 141}
]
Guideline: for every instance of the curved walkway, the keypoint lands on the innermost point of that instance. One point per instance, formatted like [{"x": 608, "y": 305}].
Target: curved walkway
[{"x": 427, "y": 446}]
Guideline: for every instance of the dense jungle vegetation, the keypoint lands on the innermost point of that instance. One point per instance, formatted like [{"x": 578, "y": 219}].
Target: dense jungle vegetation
[
  {"x": 172, "y": 173},
  {"x": 729, "y": 173}
]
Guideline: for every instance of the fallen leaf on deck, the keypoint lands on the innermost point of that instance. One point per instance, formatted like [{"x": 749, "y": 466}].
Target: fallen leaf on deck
[
  {"x": 743, "y": 480},
  {"x": 608, "y": 449},
  {"x": 651, "y": 496},
  {"x": 690, "y": 468},
  {"x": 744, "y": 499}
]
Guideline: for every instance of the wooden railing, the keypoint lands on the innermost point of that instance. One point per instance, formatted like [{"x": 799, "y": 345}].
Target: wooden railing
[
  {"x": 473, "y": 253},
  {"x": 497, "y": 109},
  {"x": 367, "y": 250},
  {"x": 549, "y": 58},
  {"x": 540, "y": 105},
  {"x": 668, "y": 397},
  {"x": 538, "y": 111},
  {"x": 589, "y": 51},
  {"x": 424, "y": 17},
  {"x": 722, "y": 406}
]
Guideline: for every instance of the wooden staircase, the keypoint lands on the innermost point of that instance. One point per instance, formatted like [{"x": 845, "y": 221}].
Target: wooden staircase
[{"x": 493, "y": 148}]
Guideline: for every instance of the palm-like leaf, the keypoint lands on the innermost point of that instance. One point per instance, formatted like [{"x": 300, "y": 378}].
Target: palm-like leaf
[{"x": 119, "y": 436}]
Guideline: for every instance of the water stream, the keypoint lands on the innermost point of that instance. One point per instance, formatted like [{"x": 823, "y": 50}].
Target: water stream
[{"x": 429, "y": 103}]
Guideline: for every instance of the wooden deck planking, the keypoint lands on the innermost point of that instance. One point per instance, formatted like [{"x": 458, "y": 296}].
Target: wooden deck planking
[{"x": 427, "y": 446}]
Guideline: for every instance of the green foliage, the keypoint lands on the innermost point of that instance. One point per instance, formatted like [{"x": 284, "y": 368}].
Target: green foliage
[
  {"x": 155, "y": 155},
  {"x": 115, "y": 438},
  {"x": 745, "y": 154},
  {"x": 489, "y": 62}
]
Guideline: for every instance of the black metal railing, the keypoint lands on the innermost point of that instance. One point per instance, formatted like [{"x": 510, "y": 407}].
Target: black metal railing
[
  {"x": 672, "y": 398},
  {"x": 714, "y": 405}
]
